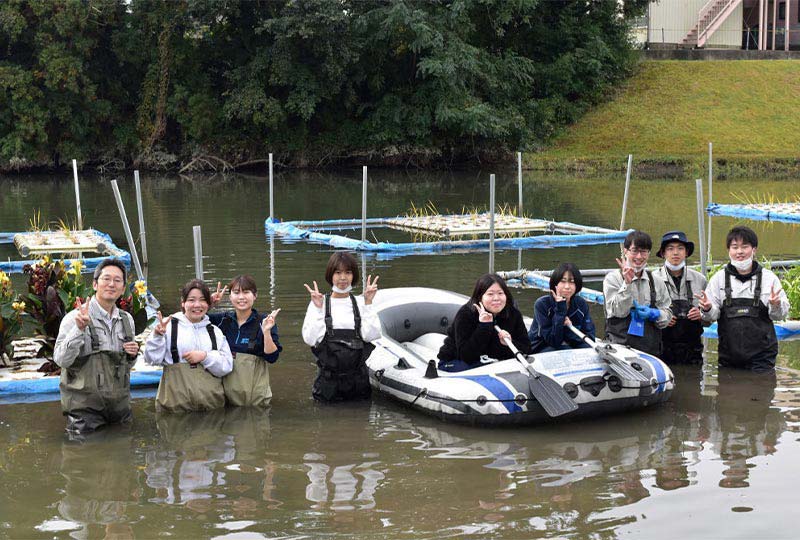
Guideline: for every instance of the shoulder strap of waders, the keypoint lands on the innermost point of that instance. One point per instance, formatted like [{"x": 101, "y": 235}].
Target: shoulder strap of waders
[
  {"x": 728, "y": 291},
  {"x": 757, "y": 292},
  {"x": 689, "y": 295},
  {"x": 652, "y": 284},
  {"x": 328, "y": 318},
  {"x": 93, "y": 336},
  {"x": 212, "y": 336},
  {"x": 173, "y": 347},
  {"x": 126, "y": 327},
  {"x": 356, "y": 316}
]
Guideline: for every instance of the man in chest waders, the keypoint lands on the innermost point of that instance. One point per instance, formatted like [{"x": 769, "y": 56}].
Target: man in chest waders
[
  {"x": 745, "y": 298},
  {"x": 95, "y": 350},
  {"x": 636, "y": 304},
  {"x": 682, "y": 338}
]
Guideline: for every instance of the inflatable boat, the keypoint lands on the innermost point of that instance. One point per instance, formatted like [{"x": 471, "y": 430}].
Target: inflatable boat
[{"x": 403, "y": 367}]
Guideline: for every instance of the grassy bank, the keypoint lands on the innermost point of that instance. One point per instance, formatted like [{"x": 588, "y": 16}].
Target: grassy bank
[{"x": 666, "y": 114}]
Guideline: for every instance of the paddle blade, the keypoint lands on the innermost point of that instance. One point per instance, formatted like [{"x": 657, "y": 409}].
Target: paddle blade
[
  {"x": 553, "y": 398},
  {"x": 621, "y": 367}
]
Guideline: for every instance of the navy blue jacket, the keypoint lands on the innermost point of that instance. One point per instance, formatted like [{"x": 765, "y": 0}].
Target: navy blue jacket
[
  {"x": 239, "y": 337},
  {"x": 547, "y": 328}
]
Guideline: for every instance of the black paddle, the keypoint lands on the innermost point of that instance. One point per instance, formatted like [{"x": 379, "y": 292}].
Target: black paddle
[
  {"x": 616, "y": 362},
  {"x": 553, "y": 398}
]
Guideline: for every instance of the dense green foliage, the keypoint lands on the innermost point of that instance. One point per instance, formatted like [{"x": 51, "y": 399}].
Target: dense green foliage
[{"x": 319, "y": 81}]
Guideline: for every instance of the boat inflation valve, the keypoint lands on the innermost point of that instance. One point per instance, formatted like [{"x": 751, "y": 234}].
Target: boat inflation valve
[
  {"x": 431, "y": 372},
  {"x": 571, "y": 389},
  {"x": 481, "y": 400},
  {"x": 593, "y": 385},
  {"x": 637, "y": 366},
  {"x": 407, "y": 324},
  {"x": 379, "y": 374},
  {"x": 444, "y": 322},
  {"x": 520, "y": 399},
  {"x": 614, "y": 383}
]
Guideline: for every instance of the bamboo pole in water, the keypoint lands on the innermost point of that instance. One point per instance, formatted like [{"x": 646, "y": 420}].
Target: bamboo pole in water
[
  {"x": 139, "y": 206},
  {"x": 77, "y": 193},
  {"x": 125, "y": 225},
  {"x": 625, "y": 196}
]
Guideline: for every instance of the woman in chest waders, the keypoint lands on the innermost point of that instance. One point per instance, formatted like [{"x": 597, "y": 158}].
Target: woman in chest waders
[
  {"x": 253, "y": 339},
  {"x": 338, "y": 327},
  {"x": 194, "y": 353}
]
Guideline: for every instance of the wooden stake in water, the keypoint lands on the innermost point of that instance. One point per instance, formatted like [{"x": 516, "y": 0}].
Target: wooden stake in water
[
  {"x": 625, "y": 197},
  {"x": 142, "y": 233},
  {"x": 77, "y": 193},
  {"x": 271, "y": 204},
  {"x": 131, "y": 245},
  {"x": 364, "y": 205},
  {"x": 710, "y": 197},
  {"x": 491, "y": 223},
  {"x": 198, "y": 252},
  {"x": 701, "y": 225}
]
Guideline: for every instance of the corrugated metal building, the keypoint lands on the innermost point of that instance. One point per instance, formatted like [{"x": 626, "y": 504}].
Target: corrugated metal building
[{"x": 731, "y": 24}]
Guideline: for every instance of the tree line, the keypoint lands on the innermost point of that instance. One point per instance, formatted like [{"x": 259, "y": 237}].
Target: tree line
[{"x": 216, "y": 84}]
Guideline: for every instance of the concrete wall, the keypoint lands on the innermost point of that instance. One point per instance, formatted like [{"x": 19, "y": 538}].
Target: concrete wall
[{"x": 671, "y": 20}]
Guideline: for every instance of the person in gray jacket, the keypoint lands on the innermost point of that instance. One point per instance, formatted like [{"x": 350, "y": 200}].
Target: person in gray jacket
[
  {"x": 95, "y": 350},
  {"x": 636, "y": 304},
  {"x": 682, "y": 338}
]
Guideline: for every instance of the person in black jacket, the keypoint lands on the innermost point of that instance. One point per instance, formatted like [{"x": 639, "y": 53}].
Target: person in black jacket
[{"x": 472, "y": 337}]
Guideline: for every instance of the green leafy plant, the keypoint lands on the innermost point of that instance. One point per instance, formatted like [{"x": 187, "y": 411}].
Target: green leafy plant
[
  {"x": 791, "y": 285},
  {"x": 11, "y": 310},
  {"x": 52, "y": 291},
  {"x": 135, "y": 304}
]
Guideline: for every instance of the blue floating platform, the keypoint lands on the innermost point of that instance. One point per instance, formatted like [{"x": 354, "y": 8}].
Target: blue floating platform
[
  {"x": 560, "y": 234},
  {"x": 110, "y": 249},
  {"x": 786, "y": 212},
  {"x": 46, "y": 388}
]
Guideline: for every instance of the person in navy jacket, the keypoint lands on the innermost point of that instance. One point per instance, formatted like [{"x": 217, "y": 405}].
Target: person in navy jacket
[{"x": 562, "y": 307}]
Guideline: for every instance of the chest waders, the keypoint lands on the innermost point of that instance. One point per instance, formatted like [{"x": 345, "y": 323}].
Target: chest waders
[
  {"x": 746, "y": 335},
  {"x": 650, "y": 342},
  {"x": 96, "y": 388},
  {"x": 682, "y": 343},
  {"x": 188, "y": 387},
  {"x": 248, "y": 384},
  {"x": 341, "y": 360}
]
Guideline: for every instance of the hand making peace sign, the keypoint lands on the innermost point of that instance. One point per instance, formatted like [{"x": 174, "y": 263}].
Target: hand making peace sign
[
  {"x": 82, "y": 319},
  {"x": 316, "y": 296},
  {"x": 269, "y": 321},
  {"x": 775, "y": 297},
  {"x": 370, "y": 288},
  {"x": 161, "y": 326},
  {"x": 627, "y": 270},
  {"x": 483, "y": 315},
  {"x": 217, "y": 295}
]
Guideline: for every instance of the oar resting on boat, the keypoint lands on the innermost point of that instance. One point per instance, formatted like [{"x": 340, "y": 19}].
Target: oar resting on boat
[
  {"x": 614, "y": 357},
  {"x": 550, "y": 395}
]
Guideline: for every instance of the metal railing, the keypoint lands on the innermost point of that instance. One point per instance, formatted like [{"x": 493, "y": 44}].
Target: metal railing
[{"x": 709, "y": 15}]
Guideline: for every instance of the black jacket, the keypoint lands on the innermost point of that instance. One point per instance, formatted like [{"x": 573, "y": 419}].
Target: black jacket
[{"x": 468, "y": 340}]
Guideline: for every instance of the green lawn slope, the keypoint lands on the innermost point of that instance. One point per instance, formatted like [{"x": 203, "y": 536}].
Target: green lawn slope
[{"x": 668, "y": 112}]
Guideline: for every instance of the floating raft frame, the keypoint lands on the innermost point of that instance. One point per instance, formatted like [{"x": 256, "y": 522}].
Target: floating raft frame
[
  {"x": 445, "y": 226},
  {"x": 47, "y": 242},
  {"x": 541, "y": 280},
  {"x": 788, "y": 212}
]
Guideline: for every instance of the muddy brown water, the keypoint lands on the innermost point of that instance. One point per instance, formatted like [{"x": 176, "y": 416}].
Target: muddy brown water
[{"x": 720, "y": 460}]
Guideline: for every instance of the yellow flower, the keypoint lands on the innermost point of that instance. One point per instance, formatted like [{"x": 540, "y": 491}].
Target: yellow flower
[
  {"x": 4, "y": 279},
  {"x": 18, "y": 306},
  {"x": 140, "y": 287},
  {"x": 75, "y": 267},
  {"x": 46, "y": 260}
]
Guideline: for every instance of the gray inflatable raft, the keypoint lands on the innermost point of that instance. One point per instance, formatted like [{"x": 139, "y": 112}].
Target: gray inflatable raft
[{"x": 413, "y": 325}]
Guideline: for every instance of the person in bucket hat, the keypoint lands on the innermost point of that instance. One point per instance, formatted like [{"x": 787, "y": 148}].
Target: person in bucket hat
[{"x": 682, "y": 343}]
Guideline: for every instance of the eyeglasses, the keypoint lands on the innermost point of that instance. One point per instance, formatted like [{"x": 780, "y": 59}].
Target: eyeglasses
[
  {"x": 637, "y": 251},
  {"x": 108, "y": 279}
]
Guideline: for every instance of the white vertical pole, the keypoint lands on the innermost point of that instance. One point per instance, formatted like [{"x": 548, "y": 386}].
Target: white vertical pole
[
  {"x": 198, "y": 252},
  {"x": 701, "y": 225},
  {"x": 774, "y": 21},
  {"x": 760, "y": 25},
  {"x": 491, "y": 223},
  {"x": 625, "y": 197},
  {"x": 710, "y": 197},
  {"x": 364, "y": 205},
  {"x": 77, "y": 193},
  {"x": 127, "y": 227},
  {"x": 271, "y": 203},
  {"x": 139, "y": 206},
  {"x": 519, "y": 180},
  {"x": 272, "y": 270},
  {"x": 786, "y": 31}
]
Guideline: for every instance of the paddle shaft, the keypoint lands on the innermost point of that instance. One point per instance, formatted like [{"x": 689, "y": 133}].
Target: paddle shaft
[{"x": 518, "y": 355}]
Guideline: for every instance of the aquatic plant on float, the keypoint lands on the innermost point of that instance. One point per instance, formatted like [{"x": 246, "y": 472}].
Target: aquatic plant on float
[
  {"x": 11, "y": 312},
  {"x": 135, "y": 304},
  {"x": 791, "y": 285}
]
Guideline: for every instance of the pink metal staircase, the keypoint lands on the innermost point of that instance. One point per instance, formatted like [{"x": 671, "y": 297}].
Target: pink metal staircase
[{"x": 709, "y": 19}]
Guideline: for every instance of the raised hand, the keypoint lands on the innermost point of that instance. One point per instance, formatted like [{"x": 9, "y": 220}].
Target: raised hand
[
  {"x": 269, "y": 321},
  {"x": 82, "y": 319},
  {"x": 557, "y": 297},
  {"x": 775, "y": 296},
  {"x": 316, "y": 296},
  {"x": 217, "y": 295},
  {"x": 627, "y": 270},
  {"x": 483, "y": 315},
  {"x": 161, "y": 326},
  {"x": 370, "y": 288},
  {"x": 195, "y": 357},
  {"x": 703, "y": 300}
]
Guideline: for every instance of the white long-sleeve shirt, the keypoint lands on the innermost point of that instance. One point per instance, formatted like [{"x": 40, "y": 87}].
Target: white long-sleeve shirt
[
  {"x": 619, "y": 296},
  {"x": 715, "y": 290},
  {"x": 73, "y": 342},
  {"x": 191, "y": 337},
  {"x": 342, "y": 315}
]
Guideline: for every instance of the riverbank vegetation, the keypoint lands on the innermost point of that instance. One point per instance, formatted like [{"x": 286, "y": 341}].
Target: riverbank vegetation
[
  {"x": 668, "y": 112},
  {"x": 197, "y": 84}
]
